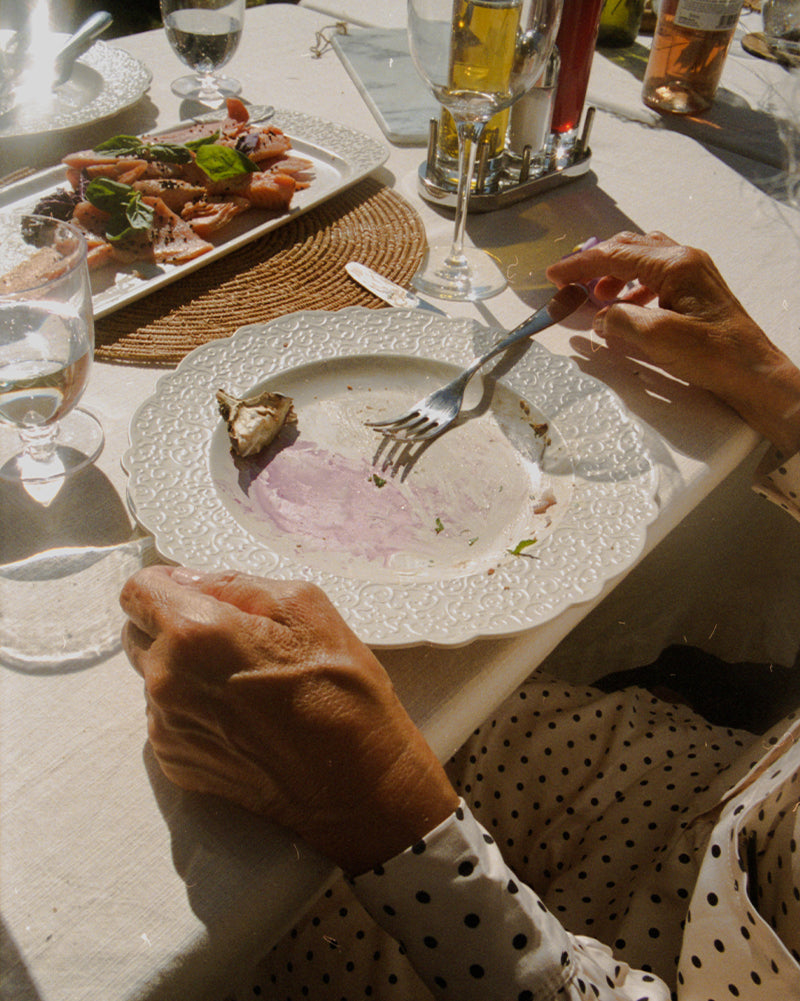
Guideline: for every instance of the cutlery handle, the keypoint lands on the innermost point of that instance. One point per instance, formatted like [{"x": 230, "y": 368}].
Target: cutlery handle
[
  {"x": 564, "y": 302},
  {"x": 88, "y": 31}
]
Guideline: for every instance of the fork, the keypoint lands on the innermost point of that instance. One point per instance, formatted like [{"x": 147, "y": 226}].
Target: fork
[{"x": 431, "y": 415}]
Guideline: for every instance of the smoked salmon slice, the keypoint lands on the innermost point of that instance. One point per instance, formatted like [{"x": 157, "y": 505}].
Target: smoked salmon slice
[
  {"x": 175, "y": 194},
  {"x": 206, "y": 217},
  {"x": 170, "y": 239},
  {"x": 270, "y": 190},
  {"x": 175, "y": 242}
]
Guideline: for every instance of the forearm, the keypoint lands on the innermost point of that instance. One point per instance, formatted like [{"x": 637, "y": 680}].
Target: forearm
[
  {"x": 770, "y": 401},
  {"x": 473, "y": 931},
  {"x": 403, "y": 798}
]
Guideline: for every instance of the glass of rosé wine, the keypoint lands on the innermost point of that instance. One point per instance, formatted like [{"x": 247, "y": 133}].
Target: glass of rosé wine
[
  {"x": 46, "y": 349},
  {"x": 477, "y": 57}
]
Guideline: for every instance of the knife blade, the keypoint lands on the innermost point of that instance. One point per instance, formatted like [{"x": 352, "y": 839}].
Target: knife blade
[{"x": 384, "y": 288}]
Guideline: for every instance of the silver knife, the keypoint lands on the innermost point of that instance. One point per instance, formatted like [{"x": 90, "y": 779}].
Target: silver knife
[{"x": 386, "y": 289}]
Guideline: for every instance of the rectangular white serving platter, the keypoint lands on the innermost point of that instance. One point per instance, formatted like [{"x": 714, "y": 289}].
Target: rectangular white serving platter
[{"x": 340, "y": 156}]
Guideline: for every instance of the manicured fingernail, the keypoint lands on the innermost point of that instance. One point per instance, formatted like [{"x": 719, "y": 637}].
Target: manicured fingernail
[
  {"x": 599, "y": 321},
  {"x": 185, "y": 575}
]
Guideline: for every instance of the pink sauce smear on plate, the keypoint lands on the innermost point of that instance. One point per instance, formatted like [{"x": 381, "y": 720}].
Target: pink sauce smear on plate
[{"x": 326, "y": 501}]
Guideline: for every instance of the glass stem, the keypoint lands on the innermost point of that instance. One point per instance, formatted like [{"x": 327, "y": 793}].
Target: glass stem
[
  {"x": 39, "y": 442},
  {"x": 209, "y": 91},
  {"x": 469, "y": 136}
]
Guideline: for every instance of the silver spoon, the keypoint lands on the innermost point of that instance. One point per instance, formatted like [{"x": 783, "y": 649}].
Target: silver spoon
[{"x": 78, "y": 44}]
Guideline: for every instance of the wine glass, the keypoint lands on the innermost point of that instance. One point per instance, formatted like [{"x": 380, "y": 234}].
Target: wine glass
[
  {"x": 46, "y": 349},
  {"x": 204, "y": 34},
  {"x": 478, "y": 57}
]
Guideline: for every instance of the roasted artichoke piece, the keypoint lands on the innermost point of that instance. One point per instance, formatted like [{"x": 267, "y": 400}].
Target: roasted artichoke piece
[{"x": 255, "y": 421}]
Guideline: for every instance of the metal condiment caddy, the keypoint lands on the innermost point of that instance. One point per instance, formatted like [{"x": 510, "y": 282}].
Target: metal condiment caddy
[{"x": 513, "y": 176}]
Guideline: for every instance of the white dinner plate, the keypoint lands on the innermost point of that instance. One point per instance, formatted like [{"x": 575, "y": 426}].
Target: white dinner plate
[
  {"x": 426, "y": 543},
  {"x": 340, "y": 157},
  {"x": 104, "y": 81}
]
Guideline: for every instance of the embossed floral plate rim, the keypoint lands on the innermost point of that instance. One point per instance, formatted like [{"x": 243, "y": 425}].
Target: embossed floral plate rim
[
  {"x": 124, "y": 79},
  {"x": 602, "y": 533},
  {"x": 341, "y": 156}
]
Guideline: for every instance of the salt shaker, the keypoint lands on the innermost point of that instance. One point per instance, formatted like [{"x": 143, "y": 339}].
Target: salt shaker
[{"x": 531, "y": 114}]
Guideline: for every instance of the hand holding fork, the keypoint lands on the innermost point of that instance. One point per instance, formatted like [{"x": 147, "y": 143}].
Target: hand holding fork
[{"x": 437, "y": 411}]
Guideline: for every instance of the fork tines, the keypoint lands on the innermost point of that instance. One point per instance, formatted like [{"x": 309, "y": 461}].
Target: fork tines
[{"x": 412, "y": 426}]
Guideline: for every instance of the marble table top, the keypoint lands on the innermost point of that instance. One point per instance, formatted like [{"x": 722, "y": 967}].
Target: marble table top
[{"x": 381, "y": 67}]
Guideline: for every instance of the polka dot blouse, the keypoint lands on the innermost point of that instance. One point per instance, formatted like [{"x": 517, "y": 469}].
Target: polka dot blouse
[
  {"x": 607, "y": 846},
  {"x": 778, "y": 479}
]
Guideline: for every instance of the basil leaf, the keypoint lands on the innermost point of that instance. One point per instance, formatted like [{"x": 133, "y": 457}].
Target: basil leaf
[
  {"x": 108, "y": 195},
  {"x": 136, "y": 219},
  {"x": 203, "y": 141},
  {"x": 222, "y": 163},
  {"x": 168, "y": 153},
  {"x": 128, "y": 213},
  {"x": 133, "y": 146},
  {"x": 120, "y": 145},
  {"x": 118, "y": 230},
  {"x": 138, "y": 214}
]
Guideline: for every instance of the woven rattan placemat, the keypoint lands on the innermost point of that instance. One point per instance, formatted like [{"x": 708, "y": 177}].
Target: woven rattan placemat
[{"x": 298, "y": 266}]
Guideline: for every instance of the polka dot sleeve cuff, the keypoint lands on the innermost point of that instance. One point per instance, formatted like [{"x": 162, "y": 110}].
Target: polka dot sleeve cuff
[
  {"x": 778, "y": 479},
  {"x": 472, "y": 931}
]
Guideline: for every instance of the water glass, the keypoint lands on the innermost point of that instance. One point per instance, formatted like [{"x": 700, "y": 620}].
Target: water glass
[
  {"x": 46, "y": 348},
  {"x": 204, "y": 34}
]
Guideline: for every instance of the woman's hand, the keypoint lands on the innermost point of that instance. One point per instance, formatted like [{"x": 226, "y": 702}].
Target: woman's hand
[
  {"x": 258, "y": 691},
  {"x": 699, "y": 332}
]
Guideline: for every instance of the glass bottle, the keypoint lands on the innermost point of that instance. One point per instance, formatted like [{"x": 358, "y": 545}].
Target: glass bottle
[
  {"x": 620, "y": 21},
  {"x": 576, "y": 40},
  {"x": 690, "y": 44}
]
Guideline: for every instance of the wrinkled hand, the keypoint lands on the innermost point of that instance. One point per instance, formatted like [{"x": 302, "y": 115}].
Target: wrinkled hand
[
  {"x": 258, "y": 691},
  {"x": 699, "y": 332}
]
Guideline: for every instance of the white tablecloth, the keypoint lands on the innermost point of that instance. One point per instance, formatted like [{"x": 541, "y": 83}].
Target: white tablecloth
[{"x": 117, "y": 886}]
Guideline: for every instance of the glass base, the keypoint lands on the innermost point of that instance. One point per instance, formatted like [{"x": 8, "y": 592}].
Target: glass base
[
  {"x": 60, "y": 607},
  {"x": 211, "y": 90},
  {"x": 474, "y": 275},
  {"x": 677, "y": 98},
  {"x": 79, "y": 440}
]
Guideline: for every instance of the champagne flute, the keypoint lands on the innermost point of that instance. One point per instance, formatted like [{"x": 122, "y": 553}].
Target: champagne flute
[
  {"x": 46, "y": 348},
  {"x": 204, "y": 34},
  {"x": 477, "y": 57}
]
